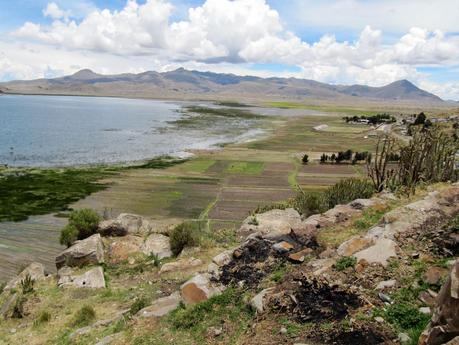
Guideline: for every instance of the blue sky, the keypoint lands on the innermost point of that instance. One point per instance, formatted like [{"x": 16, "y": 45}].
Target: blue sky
[{"x": 370, "y": 42}]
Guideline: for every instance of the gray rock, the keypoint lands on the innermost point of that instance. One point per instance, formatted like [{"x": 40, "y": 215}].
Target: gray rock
[
  {"x": 404, "y": 338},
  {"x": 89, "y": 251},
  {"x": 161, "y": 306},
  {"x": 223, "y": 258},
  {"x": 257, "y": 302},
  {"x": 386, "y": 284},
  {"x": 283, "y": 247},
  {"x": 272, "y": 224},
  {"x": 380, "y": 252},
  {"x": 126, "y": 224},
  {"x": 180, "y": 265},
  {"x": 384, "y": 298},
  {"x": 444, "y": 325},
  {"x": 35, "y": 270},
  {"x": 199, "y": 288},
  {"x": 93, "y": 279},
  {"x": 158, "y": 245},
  {"x": 425, "y": 310},
  {"x": 108, "y": 339}
]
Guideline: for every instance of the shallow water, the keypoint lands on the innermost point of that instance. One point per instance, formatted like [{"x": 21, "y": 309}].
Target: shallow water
[{"x": 67, "y": 130}]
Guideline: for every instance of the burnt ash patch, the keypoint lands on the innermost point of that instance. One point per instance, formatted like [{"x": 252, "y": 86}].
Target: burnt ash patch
[
  {"x": 251, "y": 263},
  {"x": 316, "y": 302}
]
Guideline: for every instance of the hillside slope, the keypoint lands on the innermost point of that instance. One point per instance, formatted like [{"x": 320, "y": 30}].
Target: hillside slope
[{"x": 182, "y": 83}]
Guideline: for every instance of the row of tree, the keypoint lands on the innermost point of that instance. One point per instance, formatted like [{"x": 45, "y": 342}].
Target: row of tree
[{"x": 372, "y": 119}]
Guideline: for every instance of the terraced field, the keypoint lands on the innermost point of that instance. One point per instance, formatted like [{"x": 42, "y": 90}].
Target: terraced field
[{"x": 221, "y": 186}]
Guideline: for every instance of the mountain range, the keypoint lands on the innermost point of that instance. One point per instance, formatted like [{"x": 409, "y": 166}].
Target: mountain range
[{"x": 185, "y": 84}]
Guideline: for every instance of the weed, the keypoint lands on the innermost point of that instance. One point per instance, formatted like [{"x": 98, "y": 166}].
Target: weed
[
  {"x": 84, "y": 316},
  {"x": 43, "y": 317},
  {"x": 405, "y": 316},
  {"x": 345, "y": 262},
  {"x": 253, "y": 221},
  {"x": 279, "y": 272},
  {"x": 27, "y": 284},
  {"x": 155, "y": 259}
]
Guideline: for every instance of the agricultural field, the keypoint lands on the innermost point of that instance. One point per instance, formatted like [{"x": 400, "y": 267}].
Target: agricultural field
[{"x": 219, "y": 187}]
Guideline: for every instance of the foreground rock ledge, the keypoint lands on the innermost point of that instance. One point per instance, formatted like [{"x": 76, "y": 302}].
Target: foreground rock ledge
[{"x": 89, "y": 251}]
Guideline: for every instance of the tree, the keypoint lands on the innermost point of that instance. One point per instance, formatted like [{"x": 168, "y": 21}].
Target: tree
[
  {"x": 323, "y": 158},
  {"x": 82, "y": 224},
  {"x": 305, "y": 159},
  {"x": 420, "y": 119}
]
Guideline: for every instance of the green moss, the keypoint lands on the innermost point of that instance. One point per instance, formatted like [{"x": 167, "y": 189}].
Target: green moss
[{"x": 34, "y": 192}]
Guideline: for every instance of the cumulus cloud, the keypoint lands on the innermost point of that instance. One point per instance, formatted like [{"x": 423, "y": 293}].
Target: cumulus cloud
[
  {"x": 239, "y": 33},
  {"x": 53, "y": 11}
]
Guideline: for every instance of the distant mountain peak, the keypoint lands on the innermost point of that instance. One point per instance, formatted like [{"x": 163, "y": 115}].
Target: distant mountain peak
[
  {"x": 182, "y": 82},
  {"x": 84, "y": 74}
]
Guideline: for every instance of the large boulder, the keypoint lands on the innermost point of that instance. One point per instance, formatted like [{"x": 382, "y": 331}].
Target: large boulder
[
  {"x": 161, "y": 306},
  {"x": 158, "y": 245},
  {"x": 89, "y": 251},
  {"x": 199, "y": 288},
  {"x": 94, "y": 278},
  {"x": 379, "y": 252},
  {"x": 35, "y": 270},
  {"x": 444, "y": 326},
  {"x": 272, "y": 224},
  {"x": 125, "y": 224}
]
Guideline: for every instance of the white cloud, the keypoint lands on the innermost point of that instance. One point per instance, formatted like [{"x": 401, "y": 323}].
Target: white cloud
[
  {"x": 52, "y": 10},
  {"x": 229, "y": 35},
  {"x": 389, "y": 15}
]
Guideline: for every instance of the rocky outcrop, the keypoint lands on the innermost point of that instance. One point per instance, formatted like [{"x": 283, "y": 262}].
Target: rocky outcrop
[
  {"x": 271, "y": 224},
  {"x": 161, "y": 306},
  {"x": 199, "y": 288},
  {"x": 93, "y": 279},
  {"x": 35, "y": 271},
  {"x": 380, "y": 252},
  {"x": 444, "y": 326},
  {"x": 125, "y": 224},
  {"x": 89, "y": 251},
  {"x": 158, "y": 245}
]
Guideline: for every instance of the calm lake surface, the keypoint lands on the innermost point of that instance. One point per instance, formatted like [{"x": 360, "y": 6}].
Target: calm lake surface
[{"x": 61, "y": 131}]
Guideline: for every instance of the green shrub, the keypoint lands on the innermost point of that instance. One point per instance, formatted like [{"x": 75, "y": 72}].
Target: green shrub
[
  {"x": 27, "y": 284},
  {"x": 82, "y": 224},
  {"x": 84, "y": 316},
  {"x": 69, "y": 234},
  {"x": 345, "y": 262},
  {"x": 309, "y": 203},
  {"x": 183, "y": 235},
  {"x": 348, "y": 190},
  {"x": 138, "y": 304}
]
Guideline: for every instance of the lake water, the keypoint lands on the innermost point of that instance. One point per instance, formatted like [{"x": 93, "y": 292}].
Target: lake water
[{"x": 61, "y": 131}]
